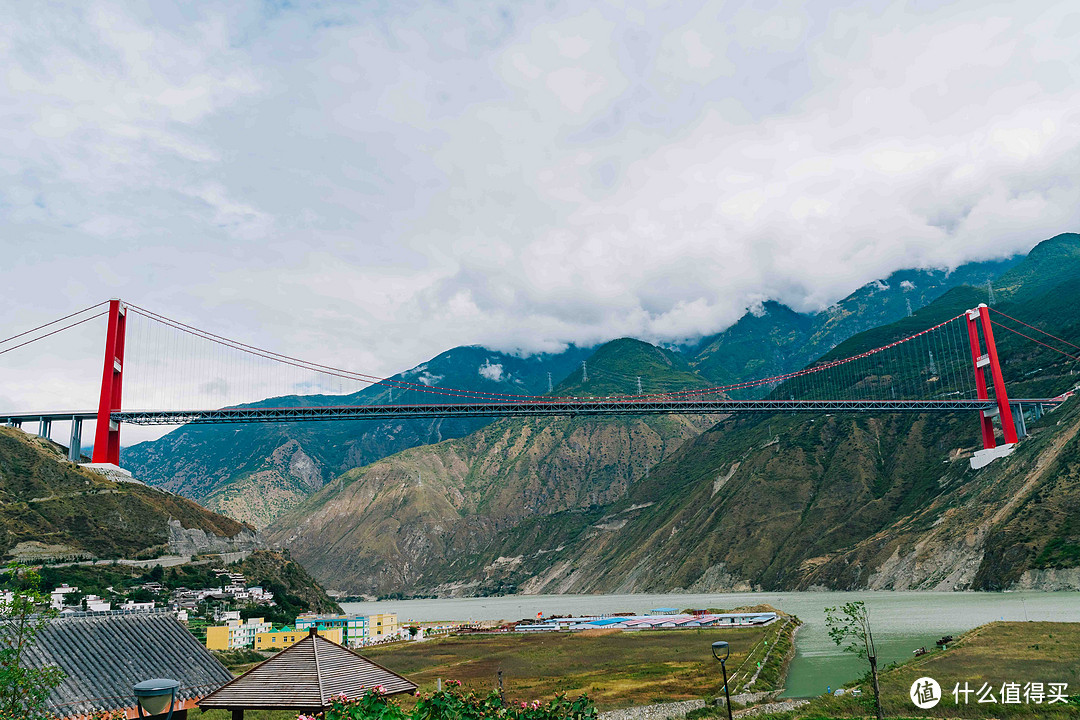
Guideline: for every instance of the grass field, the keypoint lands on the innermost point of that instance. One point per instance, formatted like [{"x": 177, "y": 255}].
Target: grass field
[
  {"x": 1016, "y": 652},
  {"x": 616, "y": 669}
]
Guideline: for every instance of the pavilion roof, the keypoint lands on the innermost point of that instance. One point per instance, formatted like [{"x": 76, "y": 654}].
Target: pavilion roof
[{"x": 304, "y": 677}]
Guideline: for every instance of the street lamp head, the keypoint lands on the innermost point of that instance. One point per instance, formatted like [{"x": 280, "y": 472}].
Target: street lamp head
[
  {"x": 720, "y": 650},
  {"x": 156, "y": 696}
]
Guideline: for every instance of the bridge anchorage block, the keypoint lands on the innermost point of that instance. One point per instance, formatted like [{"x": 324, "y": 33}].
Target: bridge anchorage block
[{"x": 982, "y": 458}]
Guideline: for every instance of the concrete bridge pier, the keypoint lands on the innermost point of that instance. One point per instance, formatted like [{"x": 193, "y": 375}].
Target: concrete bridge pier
[
  {"x": 1018, "y": 420},
  {"x": 44, "y": 427},
  {"x": 75, "y": 444}
]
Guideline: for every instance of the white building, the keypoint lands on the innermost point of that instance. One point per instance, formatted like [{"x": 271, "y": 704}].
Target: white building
[
  {"x": 56, "y": 601},
  {"x": 131, "y": 605},
  {"x": 96, "y": 604}
]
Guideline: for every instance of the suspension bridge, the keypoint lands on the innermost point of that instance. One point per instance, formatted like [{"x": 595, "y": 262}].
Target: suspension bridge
[{"x": 160, "y": 371}]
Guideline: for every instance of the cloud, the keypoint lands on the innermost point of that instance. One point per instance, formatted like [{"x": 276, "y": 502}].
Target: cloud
[
  {"x": 906, "y": 285},
  {"x": 491, "y": 371},
  {"x": 368, "y": 187}
]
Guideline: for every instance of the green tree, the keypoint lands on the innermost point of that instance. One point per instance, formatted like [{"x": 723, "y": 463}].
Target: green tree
[
  {"x": 849, "y": 628},
  {"x": 23, "y": 689}
]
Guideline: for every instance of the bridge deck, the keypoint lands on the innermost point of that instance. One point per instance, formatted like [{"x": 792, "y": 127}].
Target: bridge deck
[{"x": 538, "y": 408}]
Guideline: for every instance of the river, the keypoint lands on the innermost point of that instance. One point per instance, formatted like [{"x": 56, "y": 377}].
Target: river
[{"x": 901, "y": 621}]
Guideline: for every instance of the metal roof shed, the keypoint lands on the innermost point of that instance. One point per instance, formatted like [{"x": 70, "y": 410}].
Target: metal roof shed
[
  {"x": 304, "y": 677},
  {"x": 103, "y": 655}
]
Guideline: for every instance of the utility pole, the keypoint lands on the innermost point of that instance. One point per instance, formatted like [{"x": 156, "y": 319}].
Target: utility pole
[
  {"x": 638, "y": 384},
  {"x": 584, "y": 372},
  {"x": 549, "y": 383}
]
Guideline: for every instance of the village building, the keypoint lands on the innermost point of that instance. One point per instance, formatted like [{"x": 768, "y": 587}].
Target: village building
[
  {"x": 357, "y": 630},
  {"x": 235, "y": 634},
  {"x": 287, "y": 637}
]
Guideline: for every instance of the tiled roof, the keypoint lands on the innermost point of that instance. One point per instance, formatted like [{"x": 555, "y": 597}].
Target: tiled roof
[
  {"x": 305, "y": 677},
  {"x": 103, "y": 655}
]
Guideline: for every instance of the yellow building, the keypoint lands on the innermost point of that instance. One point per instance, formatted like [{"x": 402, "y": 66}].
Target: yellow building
[
  {"x": 286, "y": 637},
  {"x": 235, "y": 634},
  {"x": 382, "y": 626},
  {"x": 217, "y": 637}
]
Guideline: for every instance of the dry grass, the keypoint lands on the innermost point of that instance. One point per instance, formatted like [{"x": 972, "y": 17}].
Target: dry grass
[{"x": 616, "y": 668}]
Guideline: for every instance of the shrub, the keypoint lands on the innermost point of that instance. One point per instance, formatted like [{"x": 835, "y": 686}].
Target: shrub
[{"x": 453, "y": 704}]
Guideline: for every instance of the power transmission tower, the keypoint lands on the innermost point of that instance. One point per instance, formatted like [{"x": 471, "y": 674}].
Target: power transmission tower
[
  {"x": 933, "y": 365},
  {"x": 908, "y": 301},
  {"x": 638, "y": 384},
  {"x": 989, "y": 291},
  {"x": 549, "y": 383},
  {"x": 584, "y": 372}
]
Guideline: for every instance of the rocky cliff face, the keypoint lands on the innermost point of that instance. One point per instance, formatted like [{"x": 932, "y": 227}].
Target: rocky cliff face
[
  {"x": 196, "y": 541},
  {"x": 409, "y": 522}
]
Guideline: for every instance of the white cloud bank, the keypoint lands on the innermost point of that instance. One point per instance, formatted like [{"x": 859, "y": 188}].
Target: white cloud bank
[{"x": 368, "y": 189}]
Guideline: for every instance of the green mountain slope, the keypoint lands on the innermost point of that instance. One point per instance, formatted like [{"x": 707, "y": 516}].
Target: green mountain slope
[
  {"x": 255, "y": 472},
  {"x": 780, "y": 502},
  {"x": 775, "y": 339},
  {"x": 52, "y": 508}
]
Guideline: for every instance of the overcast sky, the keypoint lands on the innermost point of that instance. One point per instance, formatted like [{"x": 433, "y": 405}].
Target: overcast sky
[{"x": 369, "y": 184}]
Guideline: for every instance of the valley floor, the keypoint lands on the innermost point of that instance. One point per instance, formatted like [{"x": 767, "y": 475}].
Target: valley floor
[{"x": 621, "y": 669}]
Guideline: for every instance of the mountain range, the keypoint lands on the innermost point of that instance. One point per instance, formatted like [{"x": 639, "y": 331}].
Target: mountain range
[
  {"x": 257, "y": 472},
  {"x": 713, "y": 504}
]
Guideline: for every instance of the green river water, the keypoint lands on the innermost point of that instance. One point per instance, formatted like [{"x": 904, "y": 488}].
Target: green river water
[{"x": 901, "y": 621}]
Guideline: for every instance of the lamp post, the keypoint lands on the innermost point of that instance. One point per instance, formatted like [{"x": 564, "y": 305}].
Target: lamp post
[
  {"x": 156, "y": 696},
  {"x": 720, "y": 651}
]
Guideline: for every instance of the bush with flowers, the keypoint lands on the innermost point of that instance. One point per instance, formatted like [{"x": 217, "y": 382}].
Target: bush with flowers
[{"x": 453, "y": 703}]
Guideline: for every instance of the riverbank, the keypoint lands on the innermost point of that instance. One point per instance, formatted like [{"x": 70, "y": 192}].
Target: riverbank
[
  {"x": 903, "y": 621},
  {"x": 1012, "y": 669}
]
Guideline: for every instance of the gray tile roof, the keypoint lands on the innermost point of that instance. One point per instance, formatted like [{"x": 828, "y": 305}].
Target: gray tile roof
[
  {"x": 305, "y": 677},
  {"x": 105, "y": 654}
]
